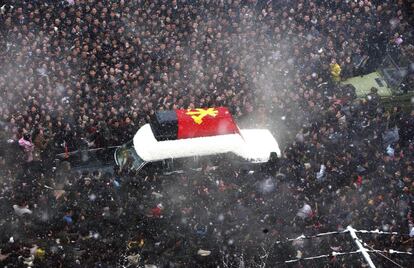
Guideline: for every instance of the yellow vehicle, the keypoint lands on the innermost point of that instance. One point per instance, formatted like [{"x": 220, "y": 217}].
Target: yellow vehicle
[{"x": 393, "y": 79}]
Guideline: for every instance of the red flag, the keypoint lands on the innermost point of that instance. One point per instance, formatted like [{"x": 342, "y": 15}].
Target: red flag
[{"x": 194, "y": 123}]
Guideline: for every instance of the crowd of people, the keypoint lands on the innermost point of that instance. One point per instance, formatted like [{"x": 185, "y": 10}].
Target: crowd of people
[{"x": 79, "y": 74}]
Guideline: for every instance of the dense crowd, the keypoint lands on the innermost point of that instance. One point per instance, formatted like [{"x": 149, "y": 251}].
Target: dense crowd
[{"x": 80, "y": 74}]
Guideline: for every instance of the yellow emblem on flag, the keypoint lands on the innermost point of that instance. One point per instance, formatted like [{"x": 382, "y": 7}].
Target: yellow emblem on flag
[{"x": 199, "y": 114}]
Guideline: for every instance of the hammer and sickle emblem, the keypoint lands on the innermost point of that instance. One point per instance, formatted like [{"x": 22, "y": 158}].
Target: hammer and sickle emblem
[{"x": 199, "y": 114}]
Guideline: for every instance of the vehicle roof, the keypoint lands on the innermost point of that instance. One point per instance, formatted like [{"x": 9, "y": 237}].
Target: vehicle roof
[
  {"x": 253, "y": 144},
  {"x": 363, "y": 85}
]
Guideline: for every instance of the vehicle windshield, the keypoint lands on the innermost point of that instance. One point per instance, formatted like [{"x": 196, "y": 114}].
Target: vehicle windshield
[{"x": 126, "y": 157}]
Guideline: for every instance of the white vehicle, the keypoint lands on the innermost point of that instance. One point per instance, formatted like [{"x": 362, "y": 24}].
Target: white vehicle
[{"x": 145, "y": 151}]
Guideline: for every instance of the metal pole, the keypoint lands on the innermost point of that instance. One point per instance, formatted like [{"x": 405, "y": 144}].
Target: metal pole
[{"x": 360, "y": 246}]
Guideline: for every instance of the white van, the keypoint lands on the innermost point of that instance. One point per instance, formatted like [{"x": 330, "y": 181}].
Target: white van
[{"x": 145, "y": 152}]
